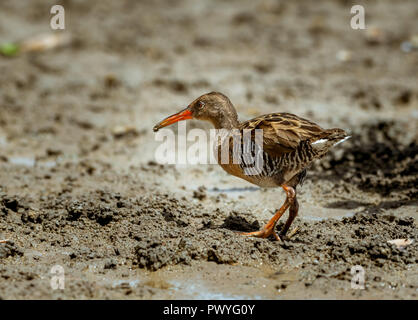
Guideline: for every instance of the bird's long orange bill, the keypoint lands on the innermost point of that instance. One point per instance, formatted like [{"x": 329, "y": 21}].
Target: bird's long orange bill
[{"x": 182, "y": 115}]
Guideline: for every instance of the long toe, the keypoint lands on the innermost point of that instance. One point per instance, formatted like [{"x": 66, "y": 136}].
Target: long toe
[{"x": 263, "y": 233}]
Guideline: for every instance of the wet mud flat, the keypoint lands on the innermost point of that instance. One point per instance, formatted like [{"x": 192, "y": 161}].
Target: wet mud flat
[
  {"x": 153, "y": 244},
  {"x": 80, "y": 188}
]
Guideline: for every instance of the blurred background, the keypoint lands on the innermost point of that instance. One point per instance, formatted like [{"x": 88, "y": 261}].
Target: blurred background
[
  {"x": 129, "y": 63},
  {"x": 76, "y": 118}
]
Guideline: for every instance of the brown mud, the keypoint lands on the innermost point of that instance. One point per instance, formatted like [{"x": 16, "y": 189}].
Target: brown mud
[{"x": 80, "y": 188}]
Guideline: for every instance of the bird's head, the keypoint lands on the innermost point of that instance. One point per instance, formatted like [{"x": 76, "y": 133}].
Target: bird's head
[{"x": 214, "y": 107}]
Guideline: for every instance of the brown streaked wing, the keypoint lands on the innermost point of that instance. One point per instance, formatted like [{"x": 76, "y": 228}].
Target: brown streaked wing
[{"x": 283, "y": 132}]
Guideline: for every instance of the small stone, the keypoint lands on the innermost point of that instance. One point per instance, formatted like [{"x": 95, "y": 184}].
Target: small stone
[
  {"x": 124, "y": 131},
  {"x": 344, "y": 55},
  {"x": 110, "y": 264}
]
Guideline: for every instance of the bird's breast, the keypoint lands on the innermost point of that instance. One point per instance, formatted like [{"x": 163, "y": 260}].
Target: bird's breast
[{"x": 253, "y": 165}]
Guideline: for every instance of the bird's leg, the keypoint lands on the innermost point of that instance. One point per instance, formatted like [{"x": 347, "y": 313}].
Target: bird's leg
[
  {"x": 4, "y": 241},
  {"x": 269, "y": 227},
  {"x": 293, "y": 211}
]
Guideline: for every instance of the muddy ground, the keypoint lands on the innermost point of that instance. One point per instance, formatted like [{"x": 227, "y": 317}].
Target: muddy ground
[{"x": 80, "y": 188}]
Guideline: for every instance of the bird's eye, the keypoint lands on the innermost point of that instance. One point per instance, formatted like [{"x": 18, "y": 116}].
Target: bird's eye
[{"x": 201, "y": 104}]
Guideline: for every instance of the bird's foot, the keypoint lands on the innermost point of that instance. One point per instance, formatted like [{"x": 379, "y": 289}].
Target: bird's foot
[
  {"x": 286, "y": 236},
  {"x": 293, "y": 232},
  {"x": 263, "y": 233}
]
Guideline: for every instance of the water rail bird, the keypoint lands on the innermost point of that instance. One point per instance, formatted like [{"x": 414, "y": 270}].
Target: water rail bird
[{"x": 288, "y": 145}]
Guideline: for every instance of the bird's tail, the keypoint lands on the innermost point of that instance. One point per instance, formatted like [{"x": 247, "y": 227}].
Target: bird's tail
[{"x": 331, "y": 137}]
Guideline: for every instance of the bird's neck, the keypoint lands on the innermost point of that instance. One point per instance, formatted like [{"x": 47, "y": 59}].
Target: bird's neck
[
  {"x": 226, "y": 120},
  {"x": 225, "y": 123}
]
